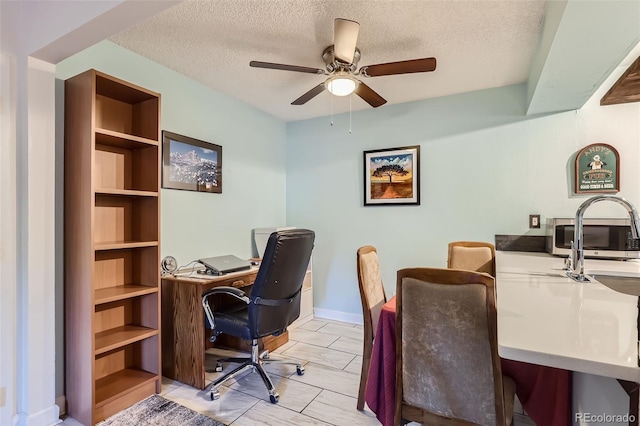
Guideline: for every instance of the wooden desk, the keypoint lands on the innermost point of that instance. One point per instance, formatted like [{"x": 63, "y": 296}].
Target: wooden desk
[{"x": 185, "y": 336}]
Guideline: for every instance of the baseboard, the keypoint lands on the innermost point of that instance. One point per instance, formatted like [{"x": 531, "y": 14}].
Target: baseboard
[
  {"x": 337, "y": 315},
  {"x": 49, "y": 416},
  {"x": 61, "y": 402}
]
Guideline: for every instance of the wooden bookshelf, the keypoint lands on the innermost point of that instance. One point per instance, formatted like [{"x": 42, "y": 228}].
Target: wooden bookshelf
[{"x": 112, "y": 239}]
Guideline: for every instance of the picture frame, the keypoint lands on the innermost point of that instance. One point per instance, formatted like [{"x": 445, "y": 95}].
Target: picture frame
[
  {"x": 597, "y": 170},
  {"x": 392, "y": 176},
  {"x": 191, "y": 164}
]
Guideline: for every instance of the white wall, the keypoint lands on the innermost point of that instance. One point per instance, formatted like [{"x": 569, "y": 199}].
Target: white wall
[
  {"x": 484, "y": 168},
  {"x": 27, "y": 333},
  {"x": 7, "y": 242},
  {"x": 36, "y": 370}
]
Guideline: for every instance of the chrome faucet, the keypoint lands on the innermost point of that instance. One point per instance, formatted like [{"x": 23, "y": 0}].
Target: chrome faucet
[{"x": 577, "y": 268}]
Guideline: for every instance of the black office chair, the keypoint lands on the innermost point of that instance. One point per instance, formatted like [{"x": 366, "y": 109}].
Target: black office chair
[{"x": 274, "y": 303}]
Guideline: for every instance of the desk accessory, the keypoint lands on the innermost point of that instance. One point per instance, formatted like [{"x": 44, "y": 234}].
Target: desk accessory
[{"x": 169, "y": 265}]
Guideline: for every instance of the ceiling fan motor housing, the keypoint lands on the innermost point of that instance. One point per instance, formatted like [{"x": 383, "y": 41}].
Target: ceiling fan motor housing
[{"x": 334, "y": 64}]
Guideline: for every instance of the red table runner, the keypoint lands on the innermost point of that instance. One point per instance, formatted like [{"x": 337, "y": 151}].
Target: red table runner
[{"x": 545, "y": 392}]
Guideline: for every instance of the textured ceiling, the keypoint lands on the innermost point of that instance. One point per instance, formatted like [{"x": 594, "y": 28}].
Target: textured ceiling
[{"x": 478, "y": 45}]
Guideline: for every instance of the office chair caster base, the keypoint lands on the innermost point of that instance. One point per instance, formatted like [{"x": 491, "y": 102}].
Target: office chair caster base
[
  {"x": 215, "y": 394},
  {"x": 299, "y": 370},
  {"x": 274, "y": 397}
]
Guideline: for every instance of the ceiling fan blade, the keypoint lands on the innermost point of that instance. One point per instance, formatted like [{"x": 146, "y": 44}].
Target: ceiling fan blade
[
  {"x": 296, "y": 68},
  {"x": 369, "y": 95},
  {"x": 345, "y": 37},
  {"x": 309, "y": 95},
  {"x": 401, "y": 67}
]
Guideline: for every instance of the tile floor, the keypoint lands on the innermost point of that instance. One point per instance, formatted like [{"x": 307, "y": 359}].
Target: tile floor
[{"x": 325, "y": 395}]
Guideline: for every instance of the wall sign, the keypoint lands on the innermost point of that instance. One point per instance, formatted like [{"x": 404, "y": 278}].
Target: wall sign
[{"x": 597, "y": 169}]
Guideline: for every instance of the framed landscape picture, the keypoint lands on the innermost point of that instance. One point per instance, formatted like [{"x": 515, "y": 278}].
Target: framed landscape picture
[
  {"x": 392, "y": 176},
  {"x": 191, "y": 164}
]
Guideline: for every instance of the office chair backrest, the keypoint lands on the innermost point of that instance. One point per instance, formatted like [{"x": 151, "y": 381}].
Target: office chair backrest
[
  {"x": 275, "y": 296},
  {"x": 372, "y": 292},
  {"x": 446, "y": 330},
  {"x": 472, "y": 256}
]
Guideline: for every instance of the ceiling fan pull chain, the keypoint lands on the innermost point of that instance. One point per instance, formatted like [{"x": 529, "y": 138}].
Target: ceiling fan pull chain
[
  {"x": 350, "y": 96},
  {"x": 331, "y": 96}
]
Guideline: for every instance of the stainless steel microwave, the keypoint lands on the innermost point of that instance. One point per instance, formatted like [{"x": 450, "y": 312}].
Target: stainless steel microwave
[{"x": 603, "y": 238}]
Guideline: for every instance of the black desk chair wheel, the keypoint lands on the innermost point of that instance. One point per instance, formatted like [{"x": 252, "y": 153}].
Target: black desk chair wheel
[{"x": 274, "y": 303}]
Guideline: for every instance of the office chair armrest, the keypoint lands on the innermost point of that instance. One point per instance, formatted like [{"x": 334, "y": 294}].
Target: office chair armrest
[{"x": 231, "y": 291}]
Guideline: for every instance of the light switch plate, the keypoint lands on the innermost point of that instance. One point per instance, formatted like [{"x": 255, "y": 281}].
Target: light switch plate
[{"x": 534, "y": 221}]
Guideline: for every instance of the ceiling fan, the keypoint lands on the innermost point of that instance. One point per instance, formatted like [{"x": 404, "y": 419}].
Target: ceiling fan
[{"x": 341, "y": 60}]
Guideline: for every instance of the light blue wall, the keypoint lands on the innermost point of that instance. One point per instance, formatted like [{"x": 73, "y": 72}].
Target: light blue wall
[
  {"x": 484, "y": 168},
  {"x": 195, "y": 224}
]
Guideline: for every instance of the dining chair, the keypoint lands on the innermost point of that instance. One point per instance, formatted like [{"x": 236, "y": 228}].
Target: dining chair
[
  {"x": 373, "y": 297},
  {"x": 472, "y": 256},
  {"x": 446, "y": 331}
]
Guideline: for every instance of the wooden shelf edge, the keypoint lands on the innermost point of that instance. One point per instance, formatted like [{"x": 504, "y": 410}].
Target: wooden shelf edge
[
  {"x": 112, "y": 294},
  {"x": 126, "y": 136},
  {"x": 127, "y": 192},
  {"x": 125, "y": 83},
  {"x": 116, "y": 385},
  {"x": 117, "y": 245},
  {"x": 129, "y": 334}
]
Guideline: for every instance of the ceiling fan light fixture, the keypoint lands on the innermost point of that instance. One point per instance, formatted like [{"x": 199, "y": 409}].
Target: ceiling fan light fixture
[{"x": 341, "y": 84}]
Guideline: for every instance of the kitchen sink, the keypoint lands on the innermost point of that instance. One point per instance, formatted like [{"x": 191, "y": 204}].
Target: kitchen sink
[{"x": 622, "y": 282}]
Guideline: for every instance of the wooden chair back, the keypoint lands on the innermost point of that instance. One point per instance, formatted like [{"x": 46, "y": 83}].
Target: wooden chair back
[
  {"x": 373, "y": 296},
  {"x": 472, "y": 256},
  {"x": 446, "y": 330}
]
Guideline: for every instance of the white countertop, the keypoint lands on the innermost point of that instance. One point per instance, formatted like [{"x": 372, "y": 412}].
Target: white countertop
[{"x": 548, "y": 319}]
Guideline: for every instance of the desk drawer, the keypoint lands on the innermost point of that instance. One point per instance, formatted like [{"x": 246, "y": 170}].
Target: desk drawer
[{"x": 237, "y": 282}]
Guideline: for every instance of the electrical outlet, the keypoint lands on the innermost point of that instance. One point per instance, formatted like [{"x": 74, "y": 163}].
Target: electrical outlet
[{"x": 534, "y": 221}]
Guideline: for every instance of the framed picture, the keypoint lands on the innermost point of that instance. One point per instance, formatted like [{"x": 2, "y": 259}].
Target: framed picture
[
  {"x": 597, "y": 169},
  {"x": 392, "y": 176},
  {"x": 191, "y": 164}
]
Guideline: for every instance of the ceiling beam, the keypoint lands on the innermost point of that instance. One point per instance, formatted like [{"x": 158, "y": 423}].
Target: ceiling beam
[
  {"x": 81, "y": 24},
  {"x": 581, "y": 43}
]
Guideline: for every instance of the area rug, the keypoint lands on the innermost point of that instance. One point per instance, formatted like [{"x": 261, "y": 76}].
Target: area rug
[{"x": 157, "y": 410}]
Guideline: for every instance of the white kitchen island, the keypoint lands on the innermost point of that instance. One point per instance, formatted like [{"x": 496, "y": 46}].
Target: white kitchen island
[{"x": 546, "y": 318}]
